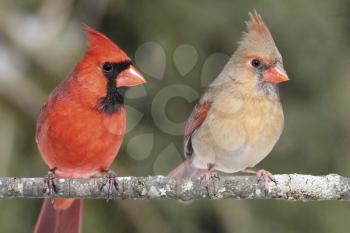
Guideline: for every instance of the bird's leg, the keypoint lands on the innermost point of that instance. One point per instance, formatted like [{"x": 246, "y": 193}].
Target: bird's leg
[
  {"x": 49, "y": 183},
  {"x": 111, "y": 182},
  {"x": 210, "y": 173},
  {"x": 262, "y": 174}
]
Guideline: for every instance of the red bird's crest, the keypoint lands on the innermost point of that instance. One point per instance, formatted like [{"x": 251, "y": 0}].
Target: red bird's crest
[{"x": 102, "y": 48}]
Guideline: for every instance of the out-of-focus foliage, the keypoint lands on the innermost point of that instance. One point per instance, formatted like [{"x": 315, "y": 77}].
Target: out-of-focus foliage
[{"x": 40, "y": 41}]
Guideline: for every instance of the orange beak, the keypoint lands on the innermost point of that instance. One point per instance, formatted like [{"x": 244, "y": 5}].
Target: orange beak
[
  {"x": 275, "y": 74},
  {"x": 130, "y": 77}
]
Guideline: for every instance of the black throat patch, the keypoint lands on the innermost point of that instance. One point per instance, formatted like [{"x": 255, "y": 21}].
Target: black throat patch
[{"x": 114, "y": 98}]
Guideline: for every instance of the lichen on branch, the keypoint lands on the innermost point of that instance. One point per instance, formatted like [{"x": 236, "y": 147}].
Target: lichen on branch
[{"x": 294, "y": 187}]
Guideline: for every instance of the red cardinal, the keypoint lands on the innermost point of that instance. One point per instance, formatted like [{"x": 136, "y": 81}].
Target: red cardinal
[
  {"x": 239, "y": 118},
  {"x": 81, "y": 126}
]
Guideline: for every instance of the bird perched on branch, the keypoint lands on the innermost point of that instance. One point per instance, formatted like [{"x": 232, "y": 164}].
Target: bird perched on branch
[
  {"x": 239, "y": 118},
  {"x": 81, "y": 126}
]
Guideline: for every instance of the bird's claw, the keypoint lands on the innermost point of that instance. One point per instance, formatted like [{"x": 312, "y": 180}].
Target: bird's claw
[
  {"x": 209, "y": 175},
  {"x": 110, "y": 181},
  {"x": 49, "y": 183},
  {"x": 266, "y": 177}
]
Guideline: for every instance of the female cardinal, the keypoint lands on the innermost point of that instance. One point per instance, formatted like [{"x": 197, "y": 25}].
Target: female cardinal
[
  {"x": 81, "y": 126},
  {"x": 239, "y": 118}
]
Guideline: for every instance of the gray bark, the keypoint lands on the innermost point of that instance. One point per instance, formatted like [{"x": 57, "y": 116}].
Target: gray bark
[{"x": 293, "y": 187}]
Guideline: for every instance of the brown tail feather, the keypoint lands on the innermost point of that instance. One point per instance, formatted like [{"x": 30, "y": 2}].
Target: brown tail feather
[
  {"x": 185, "y": 169},
  {"x": 53, "y": 220}
]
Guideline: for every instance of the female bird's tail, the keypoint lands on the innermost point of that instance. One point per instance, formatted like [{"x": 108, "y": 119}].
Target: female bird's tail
[
  {"x": 60, "y": 220},
  {"x": 185, "y": 169}
]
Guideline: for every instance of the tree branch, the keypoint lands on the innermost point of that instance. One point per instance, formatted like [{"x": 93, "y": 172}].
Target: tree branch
[{"x": 289, "y": 187}]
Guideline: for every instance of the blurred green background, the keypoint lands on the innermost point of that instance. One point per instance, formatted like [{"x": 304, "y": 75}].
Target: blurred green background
[{"x": 40, "y": 41}]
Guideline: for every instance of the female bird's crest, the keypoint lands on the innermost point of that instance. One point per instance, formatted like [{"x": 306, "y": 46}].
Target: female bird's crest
[
  {"x": 257, "y": 40},
  {"x": 257, "y": 25}
]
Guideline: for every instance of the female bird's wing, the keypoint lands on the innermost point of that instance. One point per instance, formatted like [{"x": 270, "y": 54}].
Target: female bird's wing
[{"x": 197, "y": 117}]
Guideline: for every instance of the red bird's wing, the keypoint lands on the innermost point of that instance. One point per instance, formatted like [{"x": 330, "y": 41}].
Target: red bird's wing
[{"x": 197, "y": 117}]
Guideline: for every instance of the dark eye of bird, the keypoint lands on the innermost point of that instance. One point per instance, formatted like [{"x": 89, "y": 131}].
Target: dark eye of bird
[
  {"x": 256, "y": 63},
  {"x": 107, "y": 67}
]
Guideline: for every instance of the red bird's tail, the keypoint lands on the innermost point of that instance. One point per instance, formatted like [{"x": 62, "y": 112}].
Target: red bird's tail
[
  {"x": 185, "y": 169},
  {"x": 65, "y": 220}
]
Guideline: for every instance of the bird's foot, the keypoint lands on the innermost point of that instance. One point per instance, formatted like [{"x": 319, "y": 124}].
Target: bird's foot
[
  {"x": 209, "y": 174},
  {"x": 49, "y": 183},
  {"x": 111, "y": 182},
  {"x": 263, "y": 175},
  {"x": 266, "y": 177}
]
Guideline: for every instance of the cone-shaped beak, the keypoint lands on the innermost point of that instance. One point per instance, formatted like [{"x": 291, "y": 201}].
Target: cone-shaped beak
[
  {"x": 130, "y": 77},
  {"x": 275, "y": 74}
]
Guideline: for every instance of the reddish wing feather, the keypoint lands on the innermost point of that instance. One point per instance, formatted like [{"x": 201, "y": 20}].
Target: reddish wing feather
[{"x": 196, "y": 119}]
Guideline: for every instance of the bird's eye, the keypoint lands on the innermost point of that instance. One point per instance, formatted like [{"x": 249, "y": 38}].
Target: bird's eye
[
  {"x": 107, "y": 67},
  {"x": 256, "y": 63}
]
